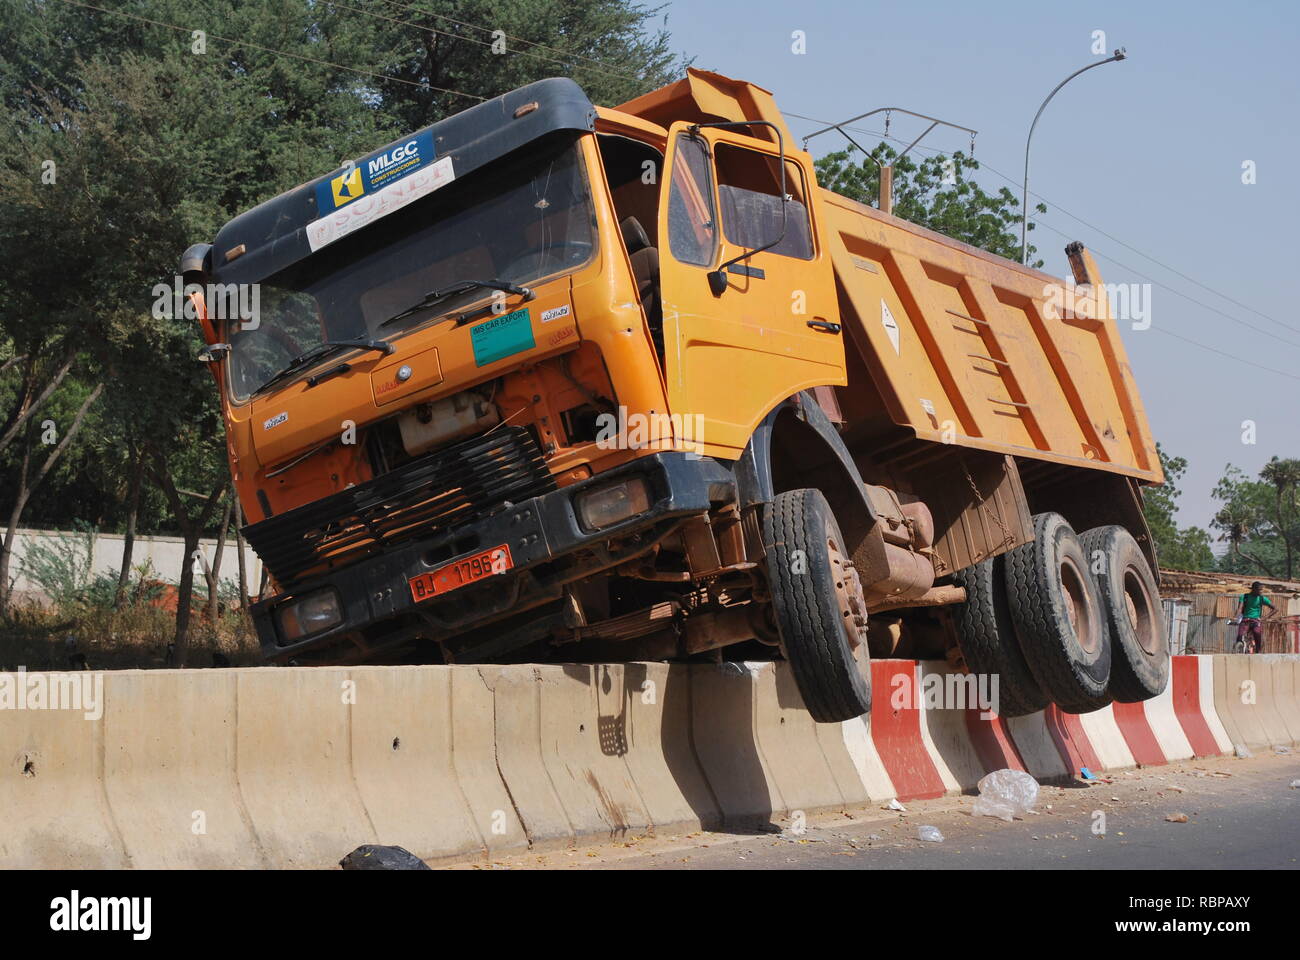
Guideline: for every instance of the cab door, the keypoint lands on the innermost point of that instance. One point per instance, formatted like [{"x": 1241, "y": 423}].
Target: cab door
[{"x": 769, "y": 327}]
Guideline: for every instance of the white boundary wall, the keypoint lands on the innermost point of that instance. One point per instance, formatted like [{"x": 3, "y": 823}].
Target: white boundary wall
[{"x": 165, "y": 553}]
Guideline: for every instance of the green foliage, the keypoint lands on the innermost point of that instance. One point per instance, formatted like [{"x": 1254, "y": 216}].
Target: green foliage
[
  {"x": 1260, "y": 519},
  {"x": 936, "y": 193},
  {"x": 60, "y": 565},
  {"x": 1177, "y": 548}
]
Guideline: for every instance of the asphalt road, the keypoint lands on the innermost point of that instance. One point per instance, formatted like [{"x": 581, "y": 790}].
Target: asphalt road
[{"x": 1240, "y": 814}]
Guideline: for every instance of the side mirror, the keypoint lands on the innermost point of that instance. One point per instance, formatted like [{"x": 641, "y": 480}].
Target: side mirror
[
  {"x": 718, "y": 281},
  {"x": 213, "y": 352}
]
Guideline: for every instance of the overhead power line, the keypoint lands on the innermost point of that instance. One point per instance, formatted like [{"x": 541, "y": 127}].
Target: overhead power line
[{"x": 1056, "y": 206}]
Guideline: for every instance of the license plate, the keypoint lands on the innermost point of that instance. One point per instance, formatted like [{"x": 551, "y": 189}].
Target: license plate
[{"x": 461, "y": 573}]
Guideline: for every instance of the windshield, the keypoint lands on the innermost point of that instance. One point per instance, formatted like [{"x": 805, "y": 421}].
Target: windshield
[{"x": 520, "y": 219}]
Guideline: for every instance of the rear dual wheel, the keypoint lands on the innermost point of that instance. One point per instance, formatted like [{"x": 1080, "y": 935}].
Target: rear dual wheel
[
  {"x": 1131, "y": 613},
  {"x": 1057, "y": 611},
  {"x": 987, "y": 639}
]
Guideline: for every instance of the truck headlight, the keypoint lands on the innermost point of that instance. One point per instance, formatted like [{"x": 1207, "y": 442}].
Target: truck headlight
[
  {"x": 607, "y": 505},
  {"x": 310, "y": 614}
]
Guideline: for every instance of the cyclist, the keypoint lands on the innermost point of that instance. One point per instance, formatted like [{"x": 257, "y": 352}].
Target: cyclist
[{"x": 1250, "y": 606}]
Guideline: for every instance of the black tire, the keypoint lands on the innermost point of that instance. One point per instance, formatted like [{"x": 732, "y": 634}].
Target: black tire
[
  {"x": 806, "y": 558},
  {"x": 987, "y": 639},
  {"x": 1057, "y": 614},
  {"x": 1131, "y": 613}
]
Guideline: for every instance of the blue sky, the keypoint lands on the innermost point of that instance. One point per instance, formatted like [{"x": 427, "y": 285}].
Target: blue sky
[{"x": 1149, "y": 151}]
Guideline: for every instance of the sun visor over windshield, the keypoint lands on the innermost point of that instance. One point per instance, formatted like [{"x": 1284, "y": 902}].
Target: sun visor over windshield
[{"x": 283, "y": 230}]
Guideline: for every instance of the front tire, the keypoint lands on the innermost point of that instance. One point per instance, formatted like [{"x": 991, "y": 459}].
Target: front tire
[
  {"x": 1057, "y": 614},
  {"x": 820, "y": 612}
]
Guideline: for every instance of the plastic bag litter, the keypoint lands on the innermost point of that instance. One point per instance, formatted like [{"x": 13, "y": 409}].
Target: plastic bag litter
[
  {"x": 895, "y": 805},
  {"x": 1242, "y": 752},
  {"x": 1006, "y": 794},
  {"x": 930, "y": 834},
  {"x": 1295, "y": 784},
  {"x": 1280, "y": 749}
]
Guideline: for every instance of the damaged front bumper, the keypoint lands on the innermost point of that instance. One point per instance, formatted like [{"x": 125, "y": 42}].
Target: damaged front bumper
[{"x": 548, "y": 542}]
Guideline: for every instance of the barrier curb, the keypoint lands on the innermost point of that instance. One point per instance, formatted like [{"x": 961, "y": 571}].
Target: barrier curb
[{"x": 295, "y": 767}]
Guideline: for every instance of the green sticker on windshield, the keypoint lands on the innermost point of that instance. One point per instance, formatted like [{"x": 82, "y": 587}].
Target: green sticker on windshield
[{"x": 500, "y": 337}]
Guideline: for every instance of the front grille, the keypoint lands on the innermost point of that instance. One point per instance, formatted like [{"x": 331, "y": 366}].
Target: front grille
[{"x": 437, "y": 492}]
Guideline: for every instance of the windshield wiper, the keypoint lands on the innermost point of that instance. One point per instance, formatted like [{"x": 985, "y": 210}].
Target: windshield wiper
[
  {"x": 434, "y": 297},
  {"x": 320, "y": 351}
]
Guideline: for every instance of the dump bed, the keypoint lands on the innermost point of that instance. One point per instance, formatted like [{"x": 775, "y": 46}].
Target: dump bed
[{"x": 965, "y": 347}]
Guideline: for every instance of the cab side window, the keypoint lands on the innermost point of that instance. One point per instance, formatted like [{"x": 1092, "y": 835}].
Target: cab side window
[
  {"x": 692, "y": 221},
  {"x": 749, "y": 191}
]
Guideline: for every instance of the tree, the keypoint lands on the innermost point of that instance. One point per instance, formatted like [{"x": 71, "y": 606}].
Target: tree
[
  {"x": 1177, "y": 548},
  {"x": 1260, "y": 519},
  {"x": 936, "y": 193}
]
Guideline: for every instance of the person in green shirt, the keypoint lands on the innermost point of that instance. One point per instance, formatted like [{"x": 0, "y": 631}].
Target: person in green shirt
[{"x": 1249, "y": 611}]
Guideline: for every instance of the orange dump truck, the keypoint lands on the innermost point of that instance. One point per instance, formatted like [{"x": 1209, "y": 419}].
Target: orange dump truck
[{"x": 549, "y": 381}]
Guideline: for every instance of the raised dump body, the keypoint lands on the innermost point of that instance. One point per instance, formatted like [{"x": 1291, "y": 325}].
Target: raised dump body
[{"x": 961, "y": 346}]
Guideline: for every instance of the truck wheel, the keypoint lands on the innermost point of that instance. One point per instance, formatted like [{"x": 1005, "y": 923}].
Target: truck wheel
[
  {"x": 1131, "y": 613},
  {"x": 987, "y": 639},
  {"x": 1057, "y": 614},
  {"x": 820, "y": 612}
]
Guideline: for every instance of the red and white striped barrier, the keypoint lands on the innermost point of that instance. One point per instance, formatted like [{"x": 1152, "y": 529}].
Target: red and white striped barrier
[{"x": 464, "y": 760}]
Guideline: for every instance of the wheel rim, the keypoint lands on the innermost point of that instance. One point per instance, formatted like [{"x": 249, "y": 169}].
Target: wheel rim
[
  {"x": 1078, "y": 606},
  {"x": 848, "y": 592},
  {"x": 1141, "y": 613}
]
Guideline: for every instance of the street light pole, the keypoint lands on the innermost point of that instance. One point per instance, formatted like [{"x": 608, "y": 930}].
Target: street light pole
[{"x": 1117, "y": 56}]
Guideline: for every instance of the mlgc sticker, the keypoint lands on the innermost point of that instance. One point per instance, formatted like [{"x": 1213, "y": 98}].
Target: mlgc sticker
[{"x": 275, "y": 421}]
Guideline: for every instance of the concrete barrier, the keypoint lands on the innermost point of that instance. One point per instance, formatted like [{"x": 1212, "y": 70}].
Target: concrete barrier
[
  {"x": 1271, "y": 674},
  {"x": 293, "y": 761},
  {"x": 169, "y": 769},
  {"x": 660, "y": 752},
  {"x": 53, "y": 810},
  {"x": 1107, "y": 740},
  {"x": 1137, "y": 734},
  {"x": 897, "y": 732},
  {"x": 788, "y": 743},
  {"x": 945, "y": 730},
  {"x": 583, "y": 732},
  {"x": 722, "y": 725},
  {"x": 1286, "y": 692},
  {"x": 1072, "y": 742},
  {"x": 402, "y": 745},
  {"x": 1165, "y": 725},
  {"x": 1042, "y": 757},
  {"x": 1236, "y": 699},
  {"x": 1191, "y": 682},
  {"x": 474, "y": 759},
  {"x": 516, "y": 710},
  {"x": 856, "y": 736},
  {"x": 295, "y": 767}
]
